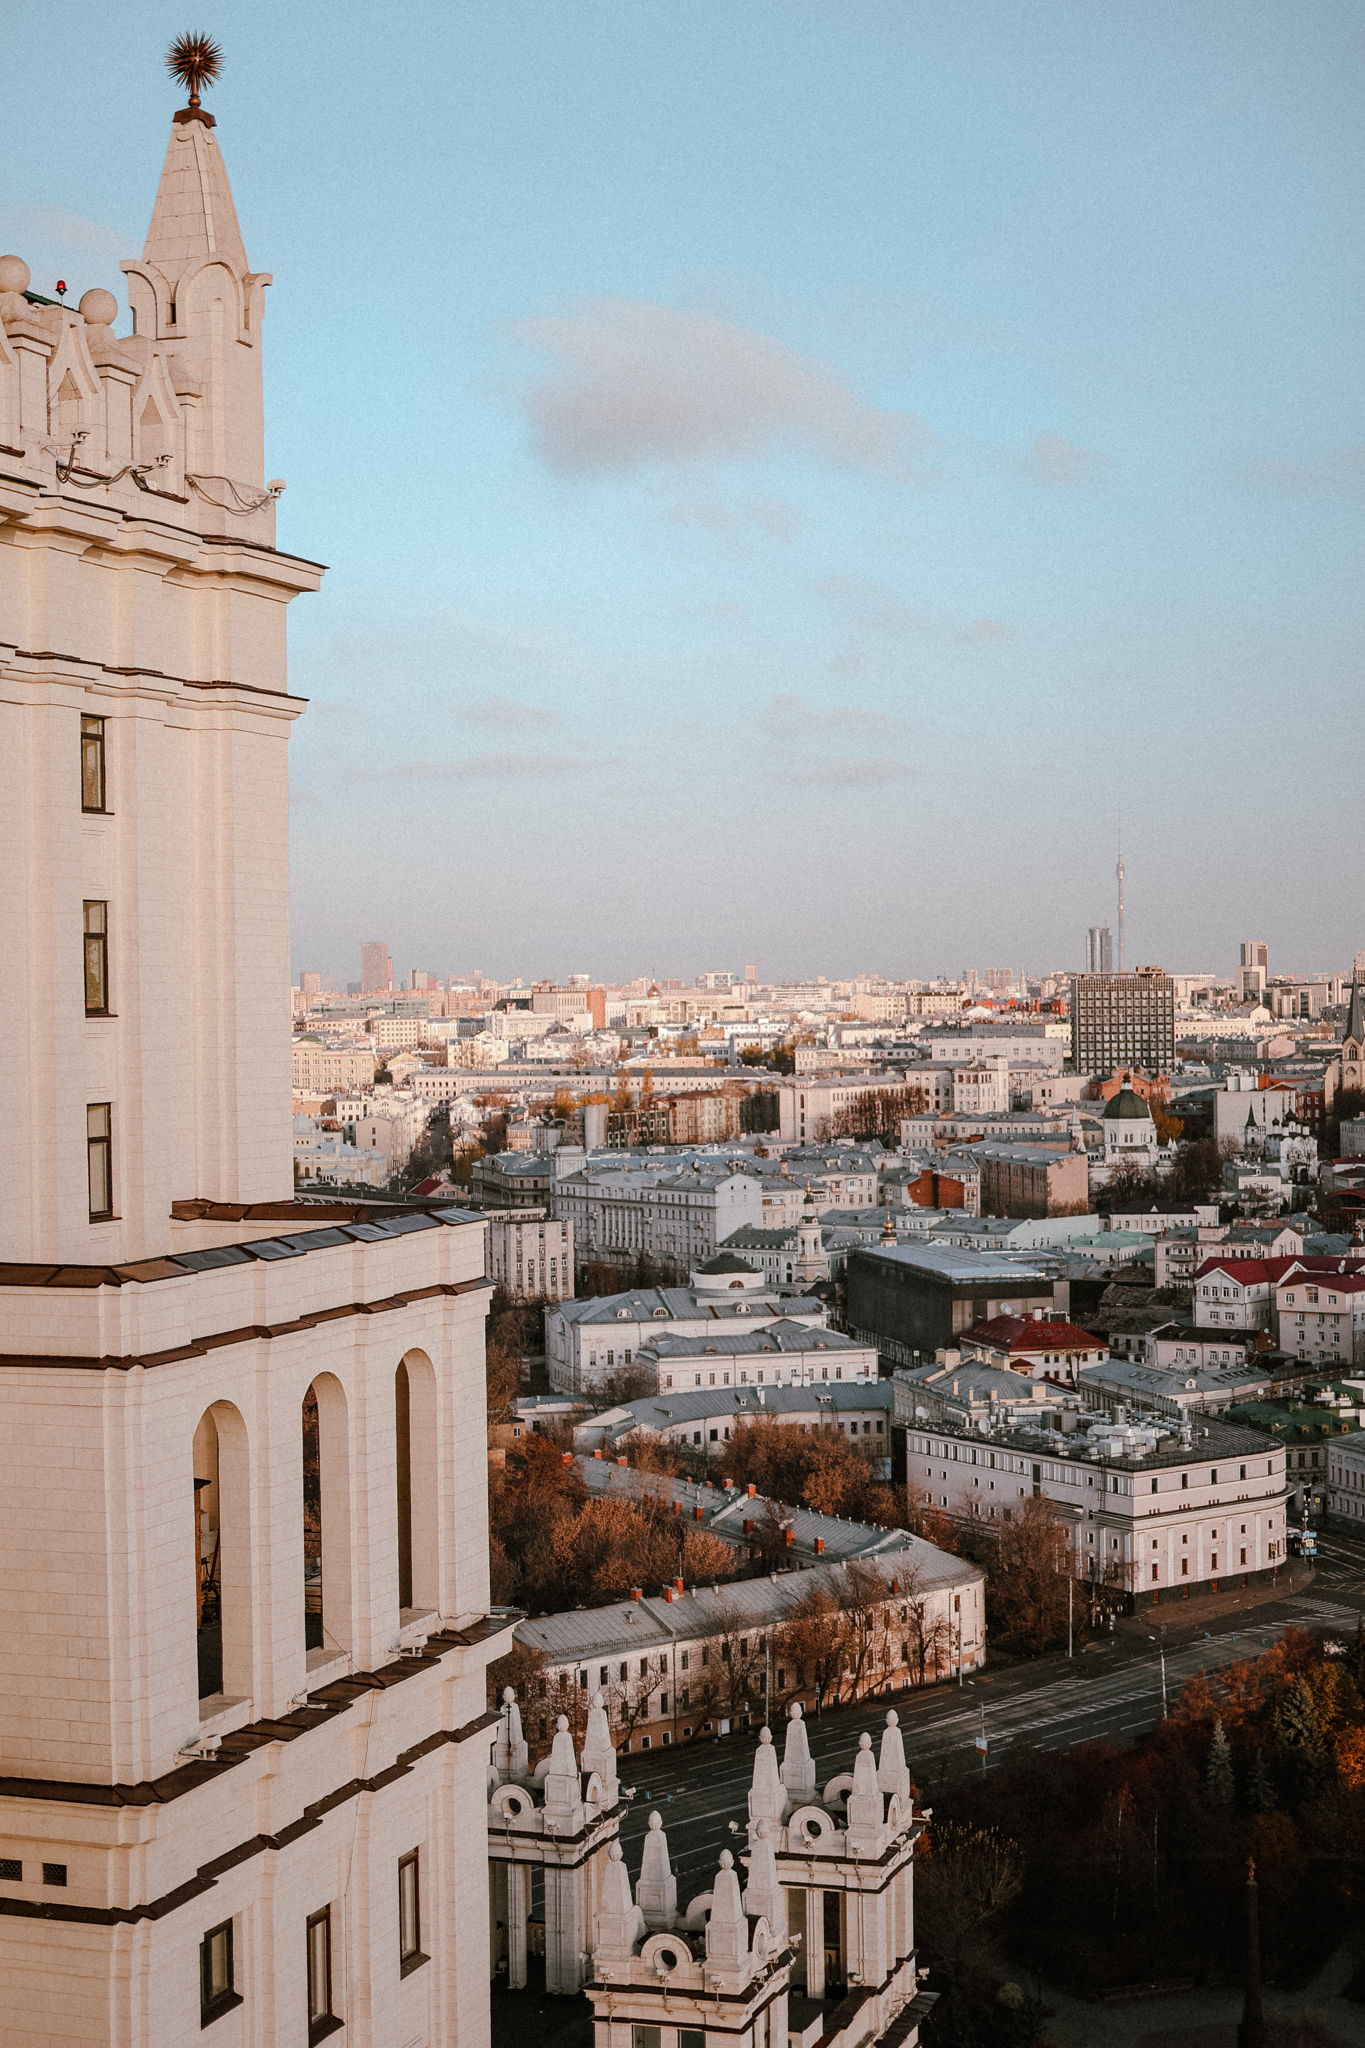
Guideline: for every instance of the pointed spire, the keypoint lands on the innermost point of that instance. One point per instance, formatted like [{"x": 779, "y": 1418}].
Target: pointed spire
[
  {"x": 798, "y": 1767},
  {"x": 656, "y": 1894},
  {"x": 767, "y": 1795},
  {"x": 510, "y": 1758},
  {"x": 892, "y": 1774},
  {"x": 598, "y": 1753},
  {"x": 1355, "y": 1016},
  {"x": 193, "y": 216},
  {"x": 865, "y": 1809},
  {"x": 563, "y": 1785},
  {"x": 764, "y": 1898},
  {"x": 727, "y": 1930},
  {"x": 618, "y": 1922}
]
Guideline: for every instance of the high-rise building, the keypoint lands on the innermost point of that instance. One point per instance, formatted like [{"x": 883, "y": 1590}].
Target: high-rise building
[
  {"x": 1256, "y": 953},
  {"x": 751, "y": 974},
  {"x": 245, "y": 1605},
  {"x": 1123, "y": 1020},
  {"x": 310, "y": 983},
  {"x": 1099, "y": 950},
  {"x": 376, "y": 967}
]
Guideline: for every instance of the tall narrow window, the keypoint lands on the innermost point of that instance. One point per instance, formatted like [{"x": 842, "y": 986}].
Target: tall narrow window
[
  {"x": 321, "y": 2018},
  {"x": 99, "y": 1158},
  {"x": 312, "y": 1524},
  {"x": 402, "y": 1403},
  {"x": 92, "y": 764},
  {"x": 97, "y": 959},
  {"x": 217, "y": 1975},
  {"x": 410, "y": 1956}
]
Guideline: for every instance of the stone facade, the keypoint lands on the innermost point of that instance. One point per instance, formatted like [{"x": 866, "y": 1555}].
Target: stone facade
[{"x": 242, "y": 1485}]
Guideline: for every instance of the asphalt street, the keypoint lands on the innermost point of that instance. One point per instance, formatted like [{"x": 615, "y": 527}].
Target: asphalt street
[{"x": 1108, "y": 1694}]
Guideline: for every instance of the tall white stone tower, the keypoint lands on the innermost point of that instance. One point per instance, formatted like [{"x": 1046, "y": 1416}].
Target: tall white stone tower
[{"x": 244, "y": 1607}]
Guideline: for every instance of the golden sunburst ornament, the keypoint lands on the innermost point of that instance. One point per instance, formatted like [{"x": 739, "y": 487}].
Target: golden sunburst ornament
[{"x": 194, "y": 60}]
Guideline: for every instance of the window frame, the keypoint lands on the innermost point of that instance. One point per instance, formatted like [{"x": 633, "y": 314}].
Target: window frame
[
  {"x": 214, "y": 2003},
  {"x": 95, "y": 948},
  {"x": 94, "y": 764},
  {"x": 99, "y": 1145},
  {"x": 411, "y": 1954},
  {"x": 320, "y": 2023}
]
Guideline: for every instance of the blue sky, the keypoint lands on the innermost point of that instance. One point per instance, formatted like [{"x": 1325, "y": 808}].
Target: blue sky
[{"x": 791, "y": 472}]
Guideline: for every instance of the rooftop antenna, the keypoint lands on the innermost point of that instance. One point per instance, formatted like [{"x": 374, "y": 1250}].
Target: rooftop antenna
[
  {"x": 1118, "y": 876},
  {"x": 194, "y": 60}
]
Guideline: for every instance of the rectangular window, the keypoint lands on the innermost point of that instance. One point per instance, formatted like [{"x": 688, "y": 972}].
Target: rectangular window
[
  {"x": 217, "y": 1976},
  {"x": 410, "y": 1956},
  {"x": 99, "y": 1158},
  {"x": 691, "y": 2037},
  {"x": 92, "y": 764},
  {"x": 645, "y": 2037},
  {"x": 321, "y": 2019},
  {"x": 96, "y": 959}
]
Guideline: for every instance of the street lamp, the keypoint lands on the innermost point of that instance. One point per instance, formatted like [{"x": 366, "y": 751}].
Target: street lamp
[{"x": 1161, "y": 1652}]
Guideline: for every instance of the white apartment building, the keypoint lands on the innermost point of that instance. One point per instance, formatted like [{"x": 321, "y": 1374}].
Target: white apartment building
[
  {"x": 705, "y": 1418},
  {"x": 1238, "y": 1294},
  {"x": 530, "y": 1255},
  {"x": 622, "y": 1210},
  {"x": 242, "y": 1727},
  {"x": 322, "y": 1155},
  {"x": 393, "y": 1033},
  {"x": 1156, "y": 1510},
  {"x": 785, "y": 1353},
  {"x": 331, "y": 1069},
  {"x": 1321, "y": 1316},
  {"x": 808, "y": 1104},
  {"x": 1345, "y": 1500},
  {"x": 587, "y": 1341}
]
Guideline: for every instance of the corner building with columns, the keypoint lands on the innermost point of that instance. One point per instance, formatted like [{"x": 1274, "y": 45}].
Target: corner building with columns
[{"x": 243, "y": 1562}]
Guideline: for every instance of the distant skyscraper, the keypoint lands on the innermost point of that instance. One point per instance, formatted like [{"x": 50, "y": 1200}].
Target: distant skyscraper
[
  {"x": 1123, "y": 1020},
  {"x": 751, "y": 973},
  {"x": 376, "y": 967},
  {"x": 1256, "y": 953},
  {"x": 1099, "y": 950},
  {"x": 310, "y": 983}
]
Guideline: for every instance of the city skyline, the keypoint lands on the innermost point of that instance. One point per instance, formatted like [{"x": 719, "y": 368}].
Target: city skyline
[{"x": 812, "y": 422}]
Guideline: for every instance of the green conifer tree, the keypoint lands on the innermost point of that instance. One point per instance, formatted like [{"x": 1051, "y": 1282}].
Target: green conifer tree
[
  {"x": 1260, "y": 1788},
  {"x": 1219, "y": 1782}
]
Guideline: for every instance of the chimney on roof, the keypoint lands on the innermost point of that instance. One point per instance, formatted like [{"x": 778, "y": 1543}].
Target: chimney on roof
[
  {"x": 637, "y": 1593},
  {"x": 620, "y": 1461},
  {"x": 679, "y": 1586},
  {"x": 819, "y": 1544},
  {"x": 598, "y": 1452},
  {"x": 788, "y": 1536},
  {"x": 751, "y": 1489},
  {"x": 670, "y": 1593}
]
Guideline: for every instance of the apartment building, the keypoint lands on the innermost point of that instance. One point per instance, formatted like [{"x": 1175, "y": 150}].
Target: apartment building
[
  {"x": 321, "y": 1069},
  {"x": 588, "y": 1341},
  {"x": 858, "y": 1407},
  {"x": 1123, "y": 1020},
  {"x": 530, "y": 1255},
  {"x": 676, "y": 1212},
  {"x": 1156, "y": 1510},
  {"x": 1345, "y": 1500}
]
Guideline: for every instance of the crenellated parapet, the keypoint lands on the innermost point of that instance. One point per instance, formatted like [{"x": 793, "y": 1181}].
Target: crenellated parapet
[{"x": 560, "y": 1820}]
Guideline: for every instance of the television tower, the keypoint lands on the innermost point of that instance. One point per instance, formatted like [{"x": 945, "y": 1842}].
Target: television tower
[{"x": 1118, "y": 876}]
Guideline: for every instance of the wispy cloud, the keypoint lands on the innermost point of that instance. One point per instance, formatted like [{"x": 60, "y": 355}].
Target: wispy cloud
[
  {"x": 486, "y": 767},
  {"x": 789, "y": 720},
  {"x": 981, "y": 632},
  {"x": 1056, "y": 463},
  {"x": 635, "y": 384},
  {"x": 769, "y": 516},
  {"x": 505, "y": 714},
  {"x": 1336, "y": 470},
  {"x": 36, "y": 229},
  {"x": 854, "y": 771}
]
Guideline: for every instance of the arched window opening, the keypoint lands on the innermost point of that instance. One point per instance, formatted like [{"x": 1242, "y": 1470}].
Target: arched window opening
[
  {"x": 222, "y": 1555},
  {"x": 208, "y": 1531},
  {"x": 326, "y": 1522},
  {"x": 414, "y": 1401},
  {"x": 312, "y": 1524}
]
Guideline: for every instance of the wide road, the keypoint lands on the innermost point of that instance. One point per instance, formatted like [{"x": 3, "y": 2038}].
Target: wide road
[{"x": 1108, "y": 1694}]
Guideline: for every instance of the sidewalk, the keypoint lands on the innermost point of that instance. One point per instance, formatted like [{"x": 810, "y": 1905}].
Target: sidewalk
[{"x": 1295, "y": 1579}]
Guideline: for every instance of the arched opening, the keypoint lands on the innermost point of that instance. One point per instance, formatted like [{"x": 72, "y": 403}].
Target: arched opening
[
  {"x": 414, "y": 1402},
  {"x": 326, "y": 1521},
  {"x": 222, "y": 1555}
]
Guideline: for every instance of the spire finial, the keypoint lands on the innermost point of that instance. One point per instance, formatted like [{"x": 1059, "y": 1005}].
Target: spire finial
[{"x": 195, "y": 60}]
